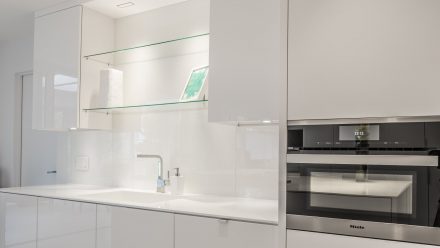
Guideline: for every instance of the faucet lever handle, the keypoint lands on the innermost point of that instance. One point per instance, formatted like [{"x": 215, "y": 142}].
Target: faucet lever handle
[{"x": 177, "y": 169}]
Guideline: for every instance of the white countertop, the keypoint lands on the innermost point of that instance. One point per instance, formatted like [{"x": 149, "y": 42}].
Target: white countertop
[{"x": 231, "y": 208}]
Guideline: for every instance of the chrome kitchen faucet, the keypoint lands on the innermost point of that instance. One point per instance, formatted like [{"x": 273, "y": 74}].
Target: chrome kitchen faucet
[{"x": 161, "y": 182}]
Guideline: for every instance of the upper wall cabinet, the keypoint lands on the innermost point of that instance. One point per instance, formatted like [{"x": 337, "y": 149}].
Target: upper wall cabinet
[
  {"x": 95, "y": 60},
  {"x": 363, "y": 58},
  {"x": 245, "y": 60},
  {"x": 57, "y": 49},
  {"x": 62, "y": 87}
]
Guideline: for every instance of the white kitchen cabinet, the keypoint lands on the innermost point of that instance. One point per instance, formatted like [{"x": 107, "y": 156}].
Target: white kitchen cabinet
[
  {"x": 65, "y": 83},
  {"x": 245, "y": 60},
  {"x": 363, "y": 58},
  {"x": 57, "y": 51},
  {"x": 120, "y": 227},
  {"x": 300, "y": 239},
  {"x": 18, "y": 226},
  {"x": 200, "y": 232},
  {"x": 66, "y": 224}
]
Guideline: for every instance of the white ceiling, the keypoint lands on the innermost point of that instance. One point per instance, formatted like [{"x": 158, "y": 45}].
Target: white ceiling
[
  {"x": 16, "y": 16},
  {"x": 109, "y": 7}
]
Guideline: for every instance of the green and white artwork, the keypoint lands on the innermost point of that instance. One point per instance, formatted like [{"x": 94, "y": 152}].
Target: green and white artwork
[{"x": 194, "y": 89}]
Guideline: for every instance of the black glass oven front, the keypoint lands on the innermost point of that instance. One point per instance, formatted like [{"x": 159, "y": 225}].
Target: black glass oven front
[{"x": 379, "y": 193}]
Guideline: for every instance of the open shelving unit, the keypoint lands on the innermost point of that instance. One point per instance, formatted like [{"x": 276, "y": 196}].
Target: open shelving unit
[
  {"x": 131, "y": 56},
  {"x": 162, "y": 49},
  {"x": 169, "y": 106}
]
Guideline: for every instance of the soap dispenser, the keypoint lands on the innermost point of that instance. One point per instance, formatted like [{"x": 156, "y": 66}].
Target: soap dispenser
[{"x": 177, "y": 183}]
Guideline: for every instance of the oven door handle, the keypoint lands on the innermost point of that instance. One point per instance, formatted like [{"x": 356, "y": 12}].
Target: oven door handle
[
  {"x": 436, "y": 153},
  {"x": 393, "y": 160}
]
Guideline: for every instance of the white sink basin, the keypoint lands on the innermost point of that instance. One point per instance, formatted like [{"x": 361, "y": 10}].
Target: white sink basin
[{"x": 130, "y": 197}]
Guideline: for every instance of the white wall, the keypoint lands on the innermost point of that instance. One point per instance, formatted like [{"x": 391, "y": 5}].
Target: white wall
[{"x": 15, "y": 57}]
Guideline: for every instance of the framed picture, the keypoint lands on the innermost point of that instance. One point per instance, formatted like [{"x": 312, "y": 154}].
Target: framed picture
[{"x": 196, "y": 85}]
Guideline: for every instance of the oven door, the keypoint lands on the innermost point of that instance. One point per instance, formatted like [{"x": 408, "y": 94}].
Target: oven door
[{"x": 352, "y": 194}]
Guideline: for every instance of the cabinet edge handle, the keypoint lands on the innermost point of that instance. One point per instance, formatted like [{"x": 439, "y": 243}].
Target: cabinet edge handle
[{"x": 223, "y": 221}]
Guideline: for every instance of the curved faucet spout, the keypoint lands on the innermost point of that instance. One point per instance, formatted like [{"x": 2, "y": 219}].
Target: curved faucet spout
[{"x": 161, "y": 182}]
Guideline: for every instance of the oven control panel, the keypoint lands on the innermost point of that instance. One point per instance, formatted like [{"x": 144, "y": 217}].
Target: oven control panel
[{"x": 405, "y": 136}]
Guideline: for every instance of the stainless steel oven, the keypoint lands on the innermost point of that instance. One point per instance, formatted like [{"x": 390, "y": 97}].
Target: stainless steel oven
[{"x": 370, "y": 180}]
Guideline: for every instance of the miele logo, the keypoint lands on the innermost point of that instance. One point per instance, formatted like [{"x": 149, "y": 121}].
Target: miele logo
[{"x": 357, "y": 227}]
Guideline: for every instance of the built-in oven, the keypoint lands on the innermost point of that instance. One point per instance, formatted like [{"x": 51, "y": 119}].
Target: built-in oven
[{"x": 370, "y": 180}]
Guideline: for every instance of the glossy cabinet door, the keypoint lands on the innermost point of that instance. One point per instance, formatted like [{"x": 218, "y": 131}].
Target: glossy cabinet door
[
  {"x": 245, "y": 60},
  {"x": 300, "y": 239},
  {"x": 57, "y": 53},
  {"x": 363, "y": 58},
  {"x": 18, "y": 221},
  {"x": 66, "y": 224},
  {"x": 199, "y": 232},
  {"x": 120, "y": 227}
]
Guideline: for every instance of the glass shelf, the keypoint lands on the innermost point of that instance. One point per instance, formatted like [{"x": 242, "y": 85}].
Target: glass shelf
[
  {"x": 164, "y": 49},
  {"x": 161, "y": 106}
]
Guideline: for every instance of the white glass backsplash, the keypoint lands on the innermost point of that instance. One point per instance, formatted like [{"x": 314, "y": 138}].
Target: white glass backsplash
[{"x": 214, "y": 158}]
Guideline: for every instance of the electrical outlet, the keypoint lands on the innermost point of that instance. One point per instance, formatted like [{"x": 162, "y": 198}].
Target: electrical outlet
[{"x": 82, "y": 163}]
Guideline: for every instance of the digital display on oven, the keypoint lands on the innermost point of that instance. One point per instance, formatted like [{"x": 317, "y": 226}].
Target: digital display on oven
[{"x": 359, "y": 132}]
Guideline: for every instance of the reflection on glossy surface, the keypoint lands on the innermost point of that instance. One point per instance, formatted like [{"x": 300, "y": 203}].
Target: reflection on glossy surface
[
  {"x": 243, "y": 209},
  {"x": 55, "y": 102},
  {"x": 120, "y": 227},
  {"x": 66, "y": 224},
  {"x": 378, "y": 192},
  {"x": 57, "y": 69},
  {"x": 18, "y": 221},
  {"x": 130, "y": 196}
]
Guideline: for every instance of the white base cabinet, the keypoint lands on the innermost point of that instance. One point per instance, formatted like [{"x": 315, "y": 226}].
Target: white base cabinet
[
  {"x": 18, "y": 216},
  {"x": 120, "y": 227},
  {"x": 66, "y": 224},
  {"x": 37, "y": 222},
  {"x": 200, "y": 232},
  {"x": 300, "y": 239}
]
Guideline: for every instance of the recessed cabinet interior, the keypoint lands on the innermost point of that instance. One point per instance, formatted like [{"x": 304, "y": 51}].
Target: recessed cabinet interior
[
  {"x": 363, "y": 58},
  {"x": 245, "y": 60},
  {"x": 18, "y": 216},
  {"x": 153, "y": 55},
  {"x": 200, "y": 232}
]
